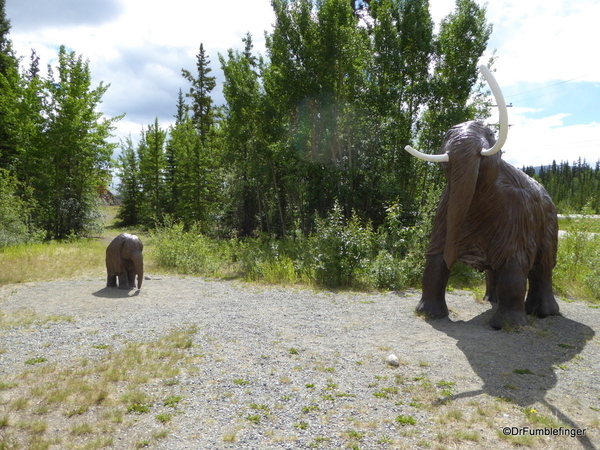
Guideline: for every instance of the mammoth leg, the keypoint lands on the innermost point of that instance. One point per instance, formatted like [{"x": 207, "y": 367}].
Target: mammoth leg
[
  {"x": 131, "y": 277},
  {"x": 123, "y": 281},
  {"x": 490, "y": 287},
  {"x": 111, "y": 281},
  {"x": 540, "y": 298},
  {"x": 511, "y": 286},
  {"x": 435, "y": 279}
]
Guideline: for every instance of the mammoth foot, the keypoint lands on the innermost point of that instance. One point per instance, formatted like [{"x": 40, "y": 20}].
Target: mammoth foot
[
  {"x": 544, "y": 308},
  {"x": 509, "y": 319},
  {"x": 432, "y": 310}
]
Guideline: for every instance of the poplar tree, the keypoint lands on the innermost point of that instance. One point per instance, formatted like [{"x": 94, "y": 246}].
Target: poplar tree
[
  {"x": 74, "y": 152},
  {"x": 461, "y": 41}
]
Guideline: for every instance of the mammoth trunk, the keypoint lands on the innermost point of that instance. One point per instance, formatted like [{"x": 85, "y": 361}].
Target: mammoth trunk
[
  {"x": 462, "y": 182},
  {"x": 138, "y": 262}
]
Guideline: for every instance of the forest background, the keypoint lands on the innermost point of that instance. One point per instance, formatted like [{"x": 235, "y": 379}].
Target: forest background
[{"x": 300, "y": 176}]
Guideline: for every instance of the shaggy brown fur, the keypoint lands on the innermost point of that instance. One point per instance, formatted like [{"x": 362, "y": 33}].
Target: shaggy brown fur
[{"x": 492, "y": 217}]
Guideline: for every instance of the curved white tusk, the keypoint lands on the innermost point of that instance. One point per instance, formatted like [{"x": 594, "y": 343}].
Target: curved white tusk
[
  {"x": 501, "y": 110},
  {"x": 425, "y": 156}
]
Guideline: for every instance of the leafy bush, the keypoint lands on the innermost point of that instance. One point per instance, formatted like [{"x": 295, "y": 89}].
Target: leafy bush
[
  {"x": 340, "y": 253},
  {"x": 190, "y": 252},
  {"x": 343, "y": 251},
  {"x": 14, "y": 214}
]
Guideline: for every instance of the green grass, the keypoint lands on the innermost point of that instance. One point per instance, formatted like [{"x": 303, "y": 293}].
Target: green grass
[{"x": 75, "y": 259}]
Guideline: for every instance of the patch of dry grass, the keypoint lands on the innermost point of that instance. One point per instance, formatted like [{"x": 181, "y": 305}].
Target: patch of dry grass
[{"x": 95, "y": 400}]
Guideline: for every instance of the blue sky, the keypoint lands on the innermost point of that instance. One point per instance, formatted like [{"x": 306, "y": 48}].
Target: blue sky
[{"x": 547, "y": 60}]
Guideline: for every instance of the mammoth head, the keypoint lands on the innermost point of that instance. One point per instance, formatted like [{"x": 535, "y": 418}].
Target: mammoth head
[{"x": 468, "y": 149}]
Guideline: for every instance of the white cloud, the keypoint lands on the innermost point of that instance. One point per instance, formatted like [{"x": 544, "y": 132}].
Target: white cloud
[
  {"x": 544, "y": 40},
  {"x": 535, "y": 142}
]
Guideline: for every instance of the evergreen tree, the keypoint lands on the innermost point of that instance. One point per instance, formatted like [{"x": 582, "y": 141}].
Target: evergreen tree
[
  {"x": 202, "y": 103},
  {"x": 242, "y": 127},
  {"x": 182, "y": 109},
  {"x": 152, "y": 163},
  {"x": 130, "y": 189},
  {"x": 196, "y": 177}
]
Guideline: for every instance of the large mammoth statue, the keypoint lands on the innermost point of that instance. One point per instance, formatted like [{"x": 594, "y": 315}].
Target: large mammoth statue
[
  {"x": 124, "y": 260},
  {"x": 492, "y": 217}
]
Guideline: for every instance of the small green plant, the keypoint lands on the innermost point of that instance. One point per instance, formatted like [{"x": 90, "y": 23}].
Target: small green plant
[
  {"x": 310, "y": 408},
  {"x": 523, "y": 372},
  {"x": 254, "y": 418},
  {"x": 293, "y": 351},
  {"x": 302, "y": 425},
  {"x": 566, "y": 346},
  {"x": 172, "y": 401},
  {"x": 260, "y": 407},
  {"x": 77, "y": 411},
  {"x": 164, "y": 417},
  {"x": 355, "y": 434},
  {"x": 36, "y": 360},
  {"x": 139, "y": 408},
  {"x": 405, "y": 420},
  {"x": 241, "y": 382}
]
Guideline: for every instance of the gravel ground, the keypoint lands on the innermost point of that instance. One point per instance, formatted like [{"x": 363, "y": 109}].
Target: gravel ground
[{"x": 294, "y": 368}]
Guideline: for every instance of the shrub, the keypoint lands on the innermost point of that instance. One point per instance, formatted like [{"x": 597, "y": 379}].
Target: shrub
[
  {"x": 343, "y": 250},
  {"x": 15, "y": 224},
  {"x": 189, "y": 251}
]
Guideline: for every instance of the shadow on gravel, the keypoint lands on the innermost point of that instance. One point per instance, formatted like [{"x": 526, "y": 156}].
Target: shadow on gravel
[
  {"x": 113, "y": 292},
  {"x": 520, "y": 366}
]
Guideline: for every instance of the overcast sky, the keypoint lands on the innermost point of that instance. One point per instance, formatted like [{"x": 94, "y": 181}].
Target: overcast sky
[{"x": 548, "y": 65}]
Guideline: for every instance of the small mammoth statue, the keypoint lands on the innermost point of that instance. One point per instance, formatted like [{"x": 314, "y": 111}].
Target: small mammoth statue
[
  {"x": 124, "y": 260},
  {"x": 492, "y": 217}
]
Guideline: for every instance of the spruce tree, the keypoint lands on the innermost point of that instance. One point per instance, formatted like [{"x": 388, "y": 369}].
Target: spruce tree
[
  {"x": 200, "y": 95},
  {"x": 129, "y": 172}
]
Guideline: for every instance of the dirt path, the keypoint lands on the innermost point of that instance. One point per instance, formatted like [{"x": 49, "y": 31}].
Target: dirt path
[{"x": 311, "y": 365}]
